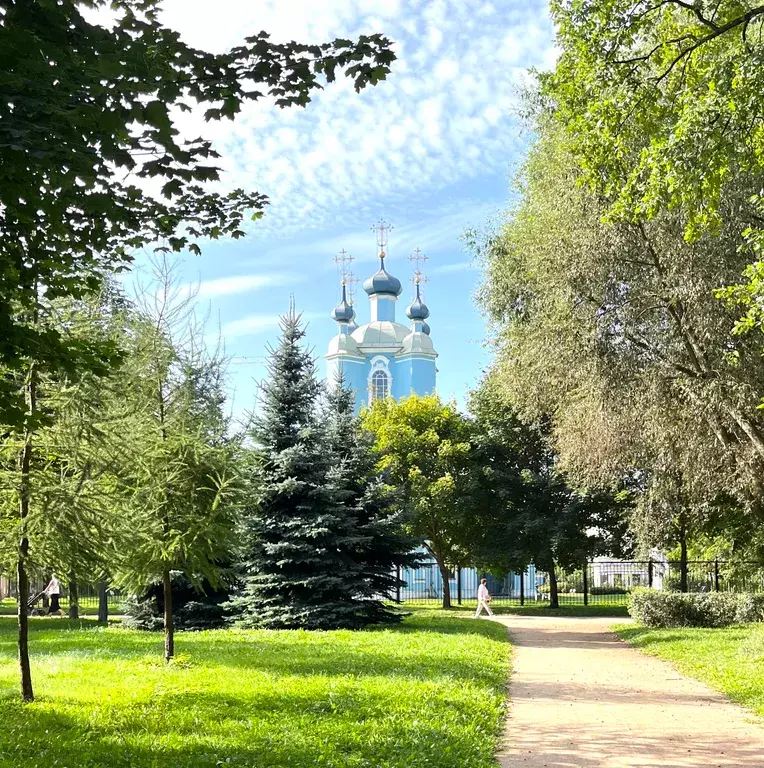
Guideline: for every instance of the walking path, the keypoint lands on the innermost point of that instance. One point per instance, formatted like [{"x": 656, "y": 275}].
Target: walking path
[{"x": 583, "y": 699}]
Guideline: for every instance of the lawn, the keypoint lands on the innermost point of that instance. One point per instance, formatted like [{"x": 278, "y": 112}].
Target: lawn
[
  {"x": 730, "y": 660},
  {"x": 430, "y": 692},
  {"x": 538, "y": 609}
]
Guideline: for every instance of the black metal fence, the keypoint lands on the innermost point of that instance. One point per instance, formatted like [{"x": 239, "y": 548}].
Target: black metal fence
[
  {"x": 600, "y": 582},
  {"x": 87, "y": 595}
]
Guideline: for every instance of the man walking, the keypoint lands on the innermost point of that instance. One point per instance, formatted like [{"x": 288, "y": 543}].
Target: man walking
[{"x": 484, "y": 598}]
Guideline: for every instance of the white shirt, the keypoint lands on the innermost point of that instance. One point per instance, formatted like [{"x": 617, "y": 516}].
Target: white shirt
[
  {"x": 483, "y": 593},
  {"x": 53, "y": 588}
]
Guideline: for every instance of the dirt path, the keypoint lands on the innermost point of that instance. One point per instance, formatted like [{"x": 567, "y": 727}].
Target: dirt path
[{"x": 583, "y": 699}]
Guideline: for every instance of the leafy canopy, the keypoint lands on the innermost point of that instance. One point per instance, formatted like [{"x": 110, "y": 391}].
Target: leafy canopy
[{"x": 93, "y": 165}]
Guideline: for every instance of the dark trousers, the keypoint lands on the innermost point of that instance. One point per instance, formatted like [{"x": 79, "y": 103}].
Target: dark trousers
[{"x": 54, "y": 606}]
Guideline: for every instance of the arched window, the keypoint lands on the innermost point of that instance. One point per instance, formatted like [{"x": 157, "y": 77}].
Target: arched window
[{"x": 380, "y": 385}]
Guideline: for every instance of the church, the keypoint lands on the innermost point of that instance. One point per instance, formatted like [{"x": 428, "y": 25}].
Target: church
[{"x": 383, "y": 358}]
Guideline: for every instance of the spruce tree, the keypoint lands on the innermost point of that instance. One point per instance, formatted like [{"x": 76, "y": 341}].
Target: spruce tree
[
  {"x": 298, "y": 536},
  {"x": 380, "y": 546}
]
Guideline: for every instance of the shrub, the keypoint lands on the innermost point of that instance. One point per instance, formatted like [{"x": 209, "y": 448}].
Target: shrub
[
  {"x": 705, "y": 609},
  {"x": 608, "y": 590},
  {"x": 191, "y": 610}
]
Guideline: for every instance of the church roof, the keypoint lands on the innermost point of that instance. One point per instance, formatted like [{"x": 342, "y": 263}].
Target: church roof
[
  {"x": 381, "y": 333},
  {"x": 343, "y": 312},
  {"x": 382, "y": 281},
  {"x": 417, "y": 310},
  {"x": 344, "y": 344},
  {"x": 417, "y": 342}
]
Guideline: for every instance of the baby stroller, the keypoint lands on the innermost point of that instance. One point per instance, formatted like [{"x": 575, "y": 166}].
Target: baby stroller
[{"x": 32, "y": 602}]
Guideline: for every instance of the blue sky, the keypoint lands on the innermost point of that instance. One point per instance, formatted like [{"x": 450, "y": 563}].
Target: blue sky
[{"x": 430, "y": 150}]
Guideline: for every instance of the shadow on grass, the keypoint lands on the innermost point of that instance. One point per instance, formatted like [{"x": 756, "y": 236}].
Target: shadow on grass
[{"x": 40, "y": 738}]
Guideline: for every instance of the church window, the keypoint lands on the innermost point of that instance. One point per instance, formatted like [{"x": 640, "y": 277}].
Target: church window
[{"x": 380, "y": 386}]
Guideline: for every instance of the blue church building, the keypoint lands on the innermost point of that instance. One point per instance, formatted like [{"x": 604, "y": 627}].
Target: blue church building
[{"x": 383, "y": 358}]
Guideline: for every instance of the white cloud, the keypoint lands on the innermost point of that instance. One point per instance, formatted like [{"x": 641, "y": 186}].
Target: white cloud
[
  {"x": 228, "y": 286},
  {"x": 444, "y": 116},
  {"x": 459, "y": 266},
  {"x": 254, "y": 324}
]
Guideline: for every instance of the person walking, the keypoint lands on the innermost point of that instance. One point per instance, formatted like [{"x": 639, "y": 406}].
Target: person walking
[
  {"x": 484, "y": 598},
  {"x": 53, "y": 591}
]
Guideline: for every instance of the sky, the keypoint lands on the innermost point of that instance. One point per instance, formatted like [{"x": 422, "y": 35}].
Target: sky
[{"x": 430, "y": 150}]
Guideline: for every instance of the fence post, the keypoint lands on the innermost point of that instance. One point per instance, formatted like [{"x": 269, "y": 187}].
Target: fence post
[
  {"x": 459, "y": 586},
  {"x": 586, "y": 583},
  {"x": 716, "y": 575},
  {"x": 398, "y": 584},
  {"x": 650, "y": 573},
  {"x": 522, "y": 587}
]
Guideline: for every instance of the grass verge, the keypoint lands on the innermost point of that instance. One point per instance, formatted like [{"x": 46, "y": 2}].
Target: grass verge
[
  {"x": 731, "y": 660},
  {"x": 430, "y": 692},
  {"x": 536, "y": 609}
]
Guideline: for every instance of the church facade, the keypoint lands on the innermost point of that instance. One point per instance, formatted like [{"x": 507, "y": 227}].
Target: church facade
[{"x": 383, "y": 358}]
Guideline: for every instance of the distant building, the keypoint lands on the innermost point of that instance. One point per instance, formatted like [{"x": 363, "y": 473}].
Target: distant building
[{"x": 383, "y": 358}]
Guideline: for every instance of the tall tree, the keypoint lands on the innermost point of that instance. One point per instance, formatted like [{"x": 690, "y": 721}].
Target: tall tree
[
  {"x": 531, "y": 512},
  {"x": 425, "y": 449},
  {"x": 299, "y": 536},
  {"x": 90, "y": 108},
  {"x": 179, "y": 475},
  {"x": 380, "y": 547},
  {"x": 614, "y": 331},
  {"x": 53, "y": 468}
]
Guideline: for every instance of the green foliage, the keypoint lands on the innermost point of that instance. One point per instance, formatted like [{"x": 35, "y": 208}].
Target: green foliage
[
  {"x": 612, "y": 329},
  {"x": 177, "y": 483},
  {"x": 90, "y": 109},
  {"x": 380, "y": 545},
  {"x": 425, "y": 450},
  {"x": 301, "y": 540},
  {"x": 530, "y": 510},
  {"x": 656, "y": 608},
  {"x": 395, "y": 697},
  {"x": 195, "y": 608},
  {"x": 662, "y": 107},
  {"x": 660, "y": 101}
]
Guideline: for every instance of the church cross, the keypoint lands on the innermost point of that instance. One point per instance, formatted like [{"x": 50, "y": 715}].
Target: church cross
[
  {"x": 343, "y": 260},
  {"x": 351, "y": 283},
  {"x": 417, "y": 260},
  {"x": 382, "y": 229}
]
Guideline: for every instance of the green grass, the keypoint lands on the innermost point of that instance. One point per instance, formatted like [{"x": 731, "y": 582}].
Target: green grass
[
  {"x": 730, "y": 660},
  {"x": 430, "y": 692}
]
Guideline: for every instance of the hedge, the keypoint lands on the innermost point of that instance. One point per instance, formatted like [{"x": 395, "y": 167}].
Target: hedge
[{"x": 656, "y": 608}]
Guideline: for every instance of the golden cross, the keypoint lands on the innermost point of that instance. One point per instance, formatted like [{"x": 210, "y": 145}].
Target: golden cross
[
  {"x": 383, "y": 229},
  {"x": 351, "y": 283},
  {"x": 343, "y": 260}
]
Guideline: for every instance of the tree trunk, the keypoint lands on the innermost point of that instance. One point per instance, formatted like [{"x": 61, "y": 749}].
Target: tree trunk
[
  {"x": 169, "y": 627},
  {"x": 74, "y": 597},
  {"x": 103, "y": 603},
  {"x": 27, "y": 694},
  {"x": 554, "y": 597},
  {"x": 683, "y": 587},
  {"x": 446, "y": 584}
]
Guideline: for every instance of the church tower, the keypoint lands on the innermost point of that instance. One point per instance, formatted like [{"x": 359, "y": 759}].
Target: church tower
[{"x": 382, "y": 358}]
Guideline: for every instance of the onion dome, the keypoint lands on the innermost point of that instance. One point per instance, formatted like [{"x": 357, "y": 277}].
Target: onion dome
[
  {"x": 382, "y": 281},
  {"x": 417, "y": 310},
  {"x": 343, "y": 312},
  {"x": 425, "y": 328}
]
